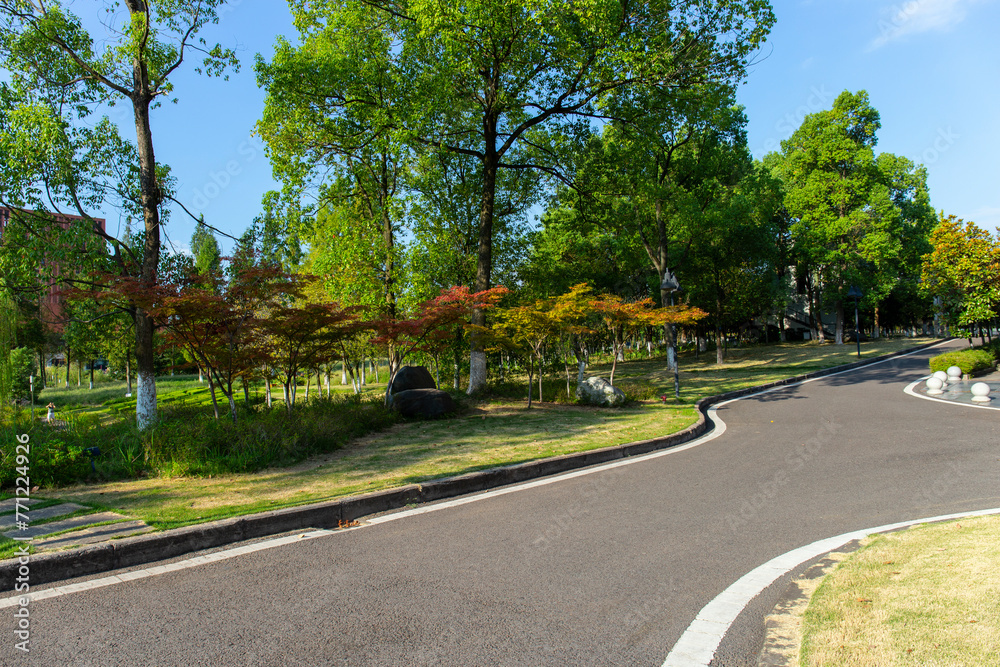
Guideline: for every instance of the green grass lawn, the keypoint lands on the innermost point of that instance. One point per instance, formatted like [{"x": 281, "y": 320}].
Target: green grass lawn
[
  {"x": 923, "y": 596},
  {"x": 488, "y": 434}
]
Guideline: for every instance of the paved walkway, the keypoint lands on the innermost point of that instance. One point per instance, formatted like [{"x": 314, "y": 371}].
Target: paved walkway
[{"x": 605, "y": 566}]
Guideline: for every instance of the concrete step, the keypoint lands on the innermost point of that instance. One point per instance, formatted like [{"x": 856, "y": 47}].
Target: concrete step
[
  {"x": 92, "y": 535},
  {"x": 10, "y": 504},
  {"x": 8, "y": 521},
  {"x": 65, "y": 524}
]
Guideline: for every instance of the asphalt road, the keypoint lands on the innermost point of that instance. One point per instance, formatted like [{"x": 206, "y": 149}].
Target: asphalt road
[{"x": 602, "y": 569}]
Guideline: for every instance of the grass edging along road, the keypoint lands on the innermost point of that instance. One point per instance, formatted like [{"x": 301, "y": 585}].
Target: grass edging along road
[
  {"x": 137, "y": 550},
  {"x": 921, "y": 596}
]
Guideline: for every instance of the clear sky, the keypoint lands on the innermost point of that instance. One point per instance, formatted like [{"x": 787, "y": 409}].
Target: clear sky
[{"x": 930, "y": 67}]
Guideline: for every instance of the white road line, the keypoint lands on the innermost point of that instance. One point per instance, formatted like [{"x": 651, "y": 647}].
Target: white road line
[
  {"x": 720, "y": 428},
  {"x": 698, "y": 644},
  {"x": 911, "y": 390}
]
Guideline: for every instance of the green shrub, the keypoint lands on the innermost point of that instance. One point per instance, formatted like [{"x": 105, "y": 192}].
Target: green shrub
[
  {"x": 639, "y": 390},
  {"x": 52, "y": 461},
  {"x": 22, "y": 366},
  {"x": 189, "y": 442},
  {"x": 553, "y": 390},
  {"x": 969, "y": 360}
]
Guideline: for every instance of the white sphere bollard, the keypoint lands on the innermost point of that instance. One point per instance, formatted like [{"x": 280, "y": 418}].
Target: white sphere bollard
[
  {"x": 981, "y": 392},
  {"x": 941, "y": 375},
  {"x": 954, "y": 374},
  {"x": 934, "y": 385}
]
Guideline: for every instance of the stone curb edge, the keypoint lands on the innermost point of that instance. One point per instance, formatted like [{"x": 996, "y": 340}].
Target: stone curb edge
[{"x": 141, "y": 549}]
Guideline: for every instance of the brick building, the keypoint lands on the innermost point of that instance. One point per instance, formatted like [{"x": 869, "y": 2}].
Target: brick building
[{"x": 51, "y": 306}]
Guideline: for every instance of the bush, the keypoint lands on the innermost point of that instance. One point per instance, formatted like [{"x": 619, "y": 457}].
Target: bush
[
  {"x": 639, "y": 390},
  {"x": 22, "y": 365},
  {"x": 52, "y": 461},
  {"x": 970, "y": 360},
  {"x": 189, "y": 442}
]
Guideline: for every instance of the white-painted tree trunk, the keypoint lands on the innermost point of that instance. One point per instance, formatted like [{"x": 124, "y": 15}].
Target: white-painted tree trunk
[
  {"x": 477, "y": 372},
  {"x": 145, "y": 402}
]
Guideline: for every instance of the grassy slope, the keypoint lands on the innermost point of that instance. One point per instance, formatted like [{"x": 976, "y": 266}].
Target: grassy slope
[
  {"x": 924, "y": 596},
  {"x": 492, "y": 434}
]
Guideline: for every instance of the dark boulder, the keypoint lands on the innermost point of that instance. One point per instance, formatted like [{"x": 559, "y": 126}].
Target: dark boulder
[
  {"x": 423, "y": 403},
  {"x": 412, "y": 377}
]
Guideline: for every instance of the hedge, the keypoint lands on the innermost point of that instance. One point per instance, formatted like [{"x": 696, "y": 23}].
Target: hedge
[{"x": 970, "y": 361}]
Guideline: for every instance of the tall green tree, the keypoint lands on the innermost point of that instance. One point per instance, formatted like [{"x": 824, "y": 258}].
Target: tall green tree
[
  {"x": 509, "y": 84},
  {"x": 858, "y": 216},
  {"x": 204, "y": 247},
  {"x": 60, "y": 75},
  {"x": 961, "y": 271}
]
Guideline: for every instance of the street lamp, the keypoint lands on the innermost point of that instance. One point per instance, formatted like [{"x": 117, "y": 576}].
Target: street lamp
[
  {"x": 856, "y": 293},
  {"x": 671, "y": 284}
]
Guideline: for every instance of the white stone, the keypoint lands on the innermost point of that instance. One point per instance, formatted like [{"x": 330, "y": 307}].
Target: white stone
[
  {"x": 934, "y": 384},
  {"x": 981, "y": 392},
  {"x": 941, "y": 375},
  {"x": 954, "y": 374},
  {"x": 598, "y": 391}
]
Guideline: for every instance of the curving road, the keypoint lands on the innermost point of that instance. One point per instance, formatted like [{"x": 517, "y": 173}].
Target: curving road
[{"x": 603, "y": 568}]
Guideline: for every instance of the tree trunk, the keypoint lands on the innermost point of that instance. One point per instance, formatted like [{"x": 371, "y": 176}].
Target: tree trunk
[
  {"x": 614, "y": 364},
  {"x": 343, "y": 373},
  {"x": 246, "y": 390},
  {"x": 267, "y": 389},
  {"x": 128, "y": 374},
  {"x": 484, "y": 259},
  {"x": 877, "y": 327},
  {"x": 150, "y": 198},
  {"x": 540, "y": 375},
  {"x": 838, "y": 331},
  {"x": 720, "y": 346},
  {"x": 67, "y": 367},
  {"x": 91, "y": 375},
  {"x": 211, "y": 389},
  {"x": 530, "y": 379}
]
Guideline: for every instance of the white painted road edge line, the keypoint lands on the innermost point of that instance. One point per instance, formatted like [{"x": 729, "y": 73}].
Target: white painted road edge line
[
  {"x": 911, "y": 390},
  {"x": 697, "y": 646},
  {"x": 720, "y": 428}
]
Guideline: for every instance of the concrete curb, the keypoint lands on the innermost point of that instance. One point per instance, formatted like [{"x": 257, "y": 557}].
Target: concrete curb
[{"x": 141, "y": 549}]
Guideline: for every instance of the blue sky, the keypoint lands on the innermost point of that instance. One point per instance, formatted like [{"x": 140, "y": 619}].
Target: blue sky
[{"x": 930, "y": 68}]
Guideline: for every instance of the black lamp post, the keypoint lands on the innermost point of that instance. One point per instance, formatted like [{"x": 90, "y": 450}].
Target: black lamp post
[
  {"x": 671, "y": 284},
  {"x": 856, "y": 293}
]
